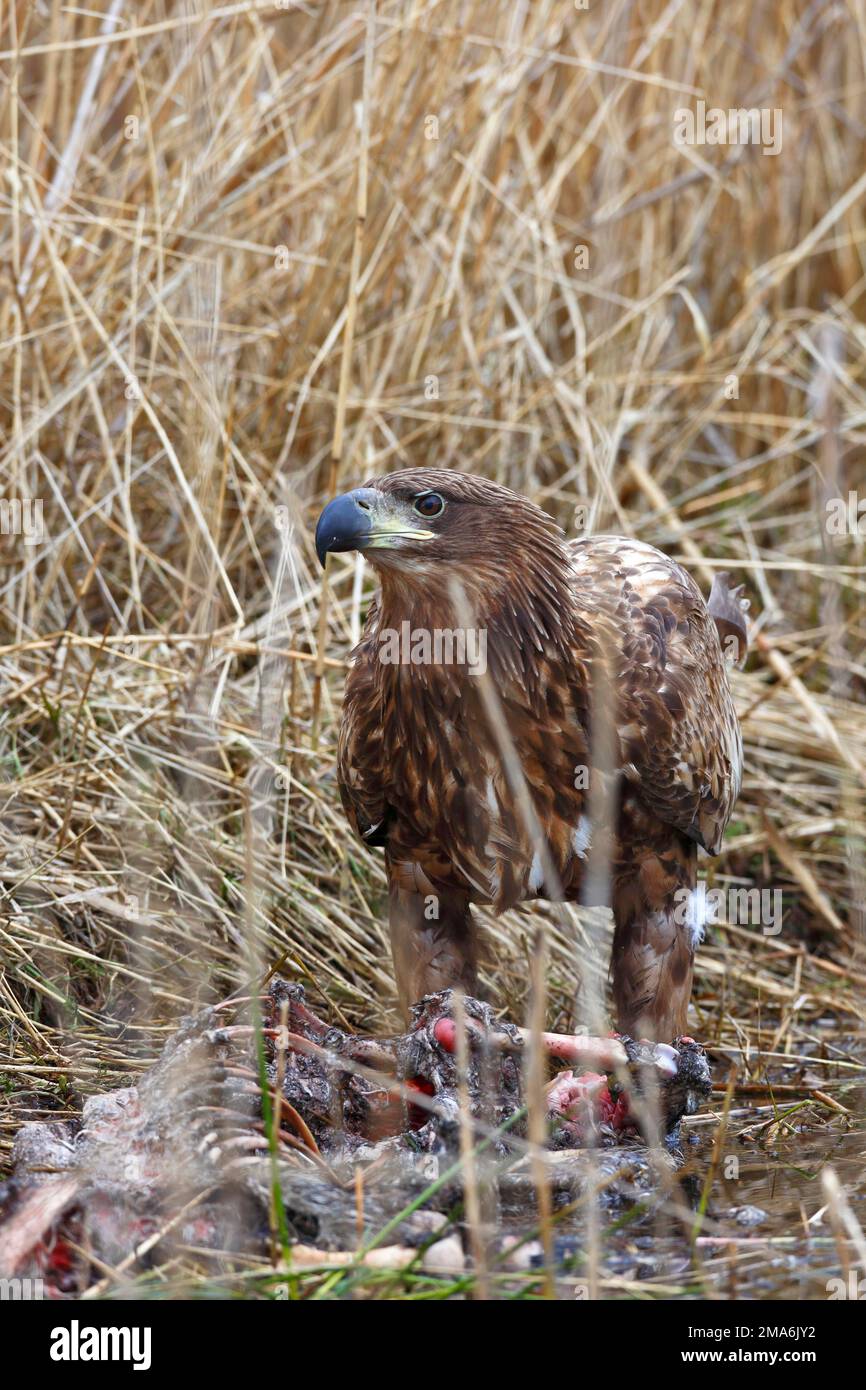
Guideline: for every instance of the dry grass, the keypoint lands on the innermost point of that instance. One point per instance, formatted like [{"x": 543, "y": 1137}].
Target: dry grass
[{"x": 237, "y": 270}]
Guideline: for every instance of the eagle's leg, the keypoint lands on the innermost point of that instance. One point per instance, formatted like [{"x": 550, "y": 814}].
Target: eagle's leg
[
  {"x": 432, "y": 937},
  {"x": 655, "y": 935}
]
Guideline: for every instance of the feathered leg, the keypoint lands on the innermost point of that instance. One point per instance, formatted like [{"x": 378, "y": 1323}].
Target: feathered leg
[
  {"x": 432, "y": 937},
  {"x": 655, "y": 935}
]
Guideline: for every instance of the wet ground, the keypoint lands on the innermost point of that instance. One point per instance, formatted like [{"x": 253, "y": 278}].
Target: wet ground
[{"x": 767, "y": 1231}]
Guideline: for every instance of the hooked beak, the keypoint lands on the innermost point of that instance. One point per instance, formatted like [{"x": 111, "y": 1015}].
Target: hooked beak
[
  {"x": 363, "y": 520},
  {"x": 346, "y": 522}
]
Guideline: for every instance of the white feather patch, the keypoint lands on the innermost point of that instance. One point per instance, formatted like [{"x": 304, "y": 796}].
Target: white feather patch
[
  {"x": 536, "y": 876},
  {"x": 699, "y": 911},
  {"x": 581, "y": 837}
]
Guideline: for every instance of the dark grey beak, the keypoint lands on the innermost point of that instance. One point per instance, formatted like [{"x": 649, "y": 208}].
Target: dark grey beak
[{"x": 346, "y": 523}]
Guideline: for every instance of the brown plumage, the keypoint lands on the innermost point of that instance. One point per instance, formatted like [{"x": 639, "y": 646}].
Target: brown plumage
[{"x": 589, "y": 760}]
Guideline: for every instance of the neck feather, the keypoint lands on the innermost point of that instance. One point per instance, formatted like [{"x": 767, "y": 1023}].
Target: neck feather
[{"x": 525, "y": 606}]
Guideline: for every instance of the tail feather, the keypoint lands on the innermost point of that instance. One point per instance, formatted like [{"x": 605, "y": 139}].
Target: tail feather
[{"x": 729, "y": 610}]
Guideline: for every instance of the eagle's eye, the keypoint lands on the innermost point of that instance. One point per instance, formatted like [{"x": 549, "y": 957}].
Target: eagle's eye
[{"x": 429, "y": 504}]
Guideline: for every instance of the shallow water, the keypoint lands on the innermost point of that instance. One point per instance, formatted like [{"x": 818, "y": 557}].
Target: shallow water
[
  {"x": 794, "y": 1252},
  {"x": 766, "y": 1232}
]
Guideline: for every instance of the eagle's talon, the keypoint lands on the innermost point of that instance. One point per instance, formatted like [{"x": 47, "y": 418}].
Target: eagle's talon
[
  {"x": 681, "y": 1074},
  {"x": 666, "y": 1058}
]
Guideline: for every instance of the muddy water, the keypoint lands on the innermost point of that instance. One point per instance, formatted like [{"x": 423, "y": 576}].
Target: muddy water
[
  {"x": 766, "y": 1232},
  {"x": 793, "y": 1252}
]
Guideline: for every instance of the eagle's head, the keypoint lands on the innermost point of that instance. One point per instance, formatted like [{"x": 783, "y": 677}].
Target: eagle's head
[{"x": 422, "y": 523}]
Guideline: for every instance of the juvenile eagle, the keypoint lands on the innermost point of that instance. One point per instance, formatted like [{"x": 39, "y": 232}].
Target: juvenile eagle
[{"x": 598, "y": 644}]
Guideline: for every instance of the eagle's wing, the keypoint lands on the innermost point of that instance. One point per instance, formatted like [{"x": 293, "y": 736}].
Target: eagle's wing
[
  {"x": 680, "y": 740},
  {"x": 360, "y": 754}
]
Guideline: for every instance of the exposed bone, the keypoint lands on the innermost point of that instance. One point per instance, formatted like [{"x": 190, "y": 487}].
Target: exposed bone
[{"x": 605, "y": 1054}]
